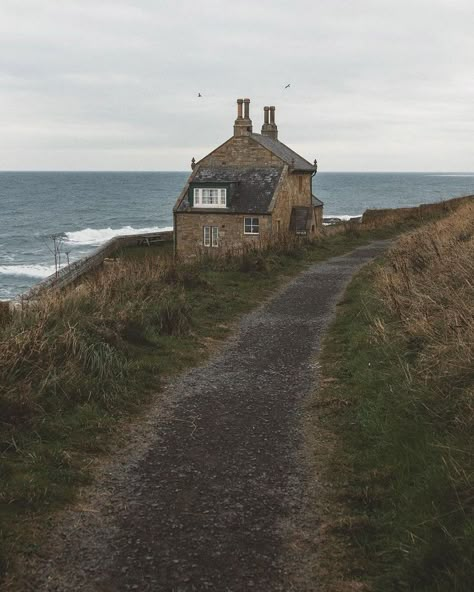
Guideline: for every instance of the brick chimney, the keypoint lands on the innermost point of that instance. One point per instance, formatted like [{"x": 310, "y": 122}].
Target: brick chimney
[
  {"x": 269, "y": 127},
  {"x": 243, "y": 123}
]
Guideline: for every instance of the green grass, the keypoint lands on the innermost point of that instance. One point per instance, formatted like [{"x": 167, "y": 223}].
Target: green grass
[
  {"x": 401, "y": 468},
  {"x": 75, "y": 368}
]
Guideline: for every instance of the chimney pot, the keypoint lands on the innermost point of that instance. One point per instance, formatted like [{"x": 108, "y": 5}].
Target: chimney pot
[
  {"x": 239, "y": 108},
  {"x": 269, "y": 127},
  {"x": 243, "y": 125},
  {"x": 246, "y": 108},
  {"x": 265, "y": 113},
  {"x": 272, "y": 115}
]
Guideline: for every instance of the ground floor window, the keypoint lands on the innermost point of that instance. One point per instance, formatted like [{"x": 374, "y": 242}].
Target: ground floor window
[
  {"x": 251, "y": 226},
  {"x": 211, "y": 236}
]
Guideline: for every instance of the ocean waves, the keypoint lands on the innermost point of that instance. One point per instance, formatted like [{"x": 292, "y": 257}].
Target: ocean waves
[
  {"x": 88, "y": 238},
  {"x": 98, "y": 236},
  {"x": 32, "y": 271}
]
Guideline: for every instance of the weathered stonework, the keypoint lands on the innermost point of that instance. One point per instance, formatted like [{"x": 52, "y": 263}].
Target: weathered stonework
[
  {"x": 189, "y": 232},
  {"x": 240, "y": 151},
  {"x": 295, "y": 191}
]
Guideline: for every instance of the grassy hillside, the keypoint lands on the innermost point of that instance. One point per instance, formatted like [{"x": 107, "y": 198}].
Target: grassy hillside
[
  {"x": 79, "y": 363},
  {"x": 397, "y": 406}
]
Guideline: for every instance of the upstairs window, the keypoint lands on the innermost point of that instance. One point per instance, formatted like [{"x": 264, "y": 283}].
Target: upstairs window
[
  {"x": 251, "y": 226},
  {"x": 210, "y": 197}
]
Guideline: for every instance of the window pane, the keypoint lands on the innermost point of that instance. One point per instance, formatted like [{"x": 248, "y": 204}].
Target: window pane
[
  {"x": 207, "y": 236},
  {"x": 251, "y": 225},
  {"x": 210, "y": 196},
  {"x": 215, "y": 236}
]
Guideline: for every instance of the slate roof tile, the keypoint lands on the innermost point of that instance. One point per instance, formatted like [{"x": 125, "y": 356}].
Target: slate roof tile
[
  {"x": 251, "y": 189},
  {"x": 316, "y": 201},
  {"x": 281, "y": 150}
]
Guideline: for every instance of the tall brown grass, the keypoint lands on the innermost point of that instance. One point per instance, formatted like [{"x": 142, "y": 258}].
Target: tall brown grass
[
  {"x": 72, "y": 344},
  {"x": 428, "y": 283}
]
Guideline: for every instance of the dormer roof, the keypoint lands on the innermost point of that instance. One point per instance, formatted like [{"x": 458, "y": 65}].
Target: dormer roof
[{"x": 250, "y": 189}]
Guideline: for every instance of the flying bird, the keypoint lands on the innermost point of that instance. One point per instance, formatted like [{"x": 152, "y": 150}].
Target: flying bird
[
  {"x": 199, "y": 95},
  {"x": 287, "y": 86}
]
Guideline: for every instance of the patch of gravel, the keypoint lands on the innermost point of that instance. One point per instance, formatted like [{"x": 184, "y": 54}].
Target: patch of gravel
[{"x": 209, "y": 493}]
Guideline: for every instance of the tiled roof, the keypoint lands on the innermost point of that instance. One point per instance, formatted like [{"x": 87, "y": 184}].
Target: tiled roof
[
  {"x": 250, "y": 189},
  {"x": 281, "y": 150}
]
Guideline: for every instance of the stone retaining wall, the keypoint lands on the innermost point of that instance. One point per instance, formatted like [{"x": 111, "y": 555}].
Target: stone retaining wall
[
  {"x": 70, "y": 273},
  {"x": 418, "y": 212}
]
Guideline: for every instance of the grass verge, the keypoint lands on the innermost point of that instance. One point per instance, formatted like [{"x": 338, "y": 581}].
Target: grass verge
[
  {"x": 79, "y": 363},
  {"x": 395, "y": 462}
]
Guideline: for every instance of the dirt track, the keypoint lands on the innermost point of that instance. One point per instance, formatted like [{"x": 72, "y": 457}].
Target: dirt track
[{"x": 208, "y": 502}]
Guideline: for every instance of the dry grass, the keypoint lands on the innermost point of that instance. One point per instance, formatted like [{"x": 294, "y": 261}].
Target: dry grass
[
  {"x": 70, "y": 344},
  {"x": 398, "y": 399},
  {"x": 428, "y": 283},
  {"x": 75, "y": 362}
]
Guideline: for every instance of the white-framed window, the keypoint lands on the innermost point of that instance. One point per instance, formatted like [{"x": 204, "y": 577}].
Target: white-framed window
[
  {"x": 251, "y": 226},
  {"x": 211, "y": 236},
  {"x": 214, "y": 236},
  {"x": 207, "y": 236},
  {"x": 210, "y": 197}
]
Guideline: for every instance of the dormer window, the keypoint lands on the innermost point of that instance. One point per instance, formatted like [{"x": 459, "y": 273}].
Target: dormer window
[{"x": 210, "y": 197}]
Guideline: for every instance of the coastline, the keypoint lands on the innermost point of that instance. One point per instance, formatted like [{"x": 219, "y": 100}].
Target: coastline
[{"x": 88, "y": 208}]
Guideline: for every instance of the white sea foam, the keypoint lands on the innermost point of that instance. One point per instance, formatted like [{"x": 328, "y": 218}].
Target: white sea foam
[
  {"x": 34, "y": 271},
  {"x": 97, "y": 236},
  {"x": 342, "y": 217},
  {"x": 329, "y": 220}
]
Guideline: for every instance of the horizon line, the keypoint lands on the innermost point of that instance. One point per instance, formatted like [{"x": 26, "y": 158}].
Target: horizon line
[{"x": 186, "y": 171}]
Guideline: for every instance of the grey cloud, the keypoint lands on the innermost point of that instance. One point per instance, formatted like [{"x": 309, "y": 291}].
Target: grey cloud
[{"x": 121, "y": 78}]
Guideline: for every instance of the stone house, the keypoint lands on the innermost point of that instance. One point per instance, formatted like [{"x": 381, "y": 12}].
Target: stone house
[{"x": 245, "y": 192}]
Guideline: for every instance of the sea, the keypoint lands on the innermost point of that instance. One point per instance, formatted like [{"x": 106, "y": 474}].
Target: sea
[{"x": 85, "y": 209}]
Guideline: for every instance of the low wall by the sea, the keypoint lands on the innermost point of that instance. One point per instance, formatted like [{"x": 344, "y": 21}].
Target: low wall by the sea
[
  {"x": 72, "y": 272},
  {"x": 380, "y": 216}
]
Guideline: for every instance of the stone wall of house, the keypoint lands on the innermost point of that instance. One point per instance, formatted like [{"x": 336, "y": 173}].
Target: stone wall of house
[
  {"x": 241, "y": 151},
  {"x": 318, "y": 217},
  {"x": 189, "y": 231},
  {"x": 295, "y": 191}
]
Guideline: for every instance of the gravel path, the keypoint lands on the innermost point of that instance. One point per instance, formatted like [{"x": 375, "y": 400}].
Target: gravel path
[{"x": 208, "y": 501}]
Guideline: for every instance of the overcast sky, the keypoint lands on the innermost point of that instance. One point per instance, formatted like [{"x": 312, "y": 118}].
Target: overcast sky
[{"x": 112, "y": 85}]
